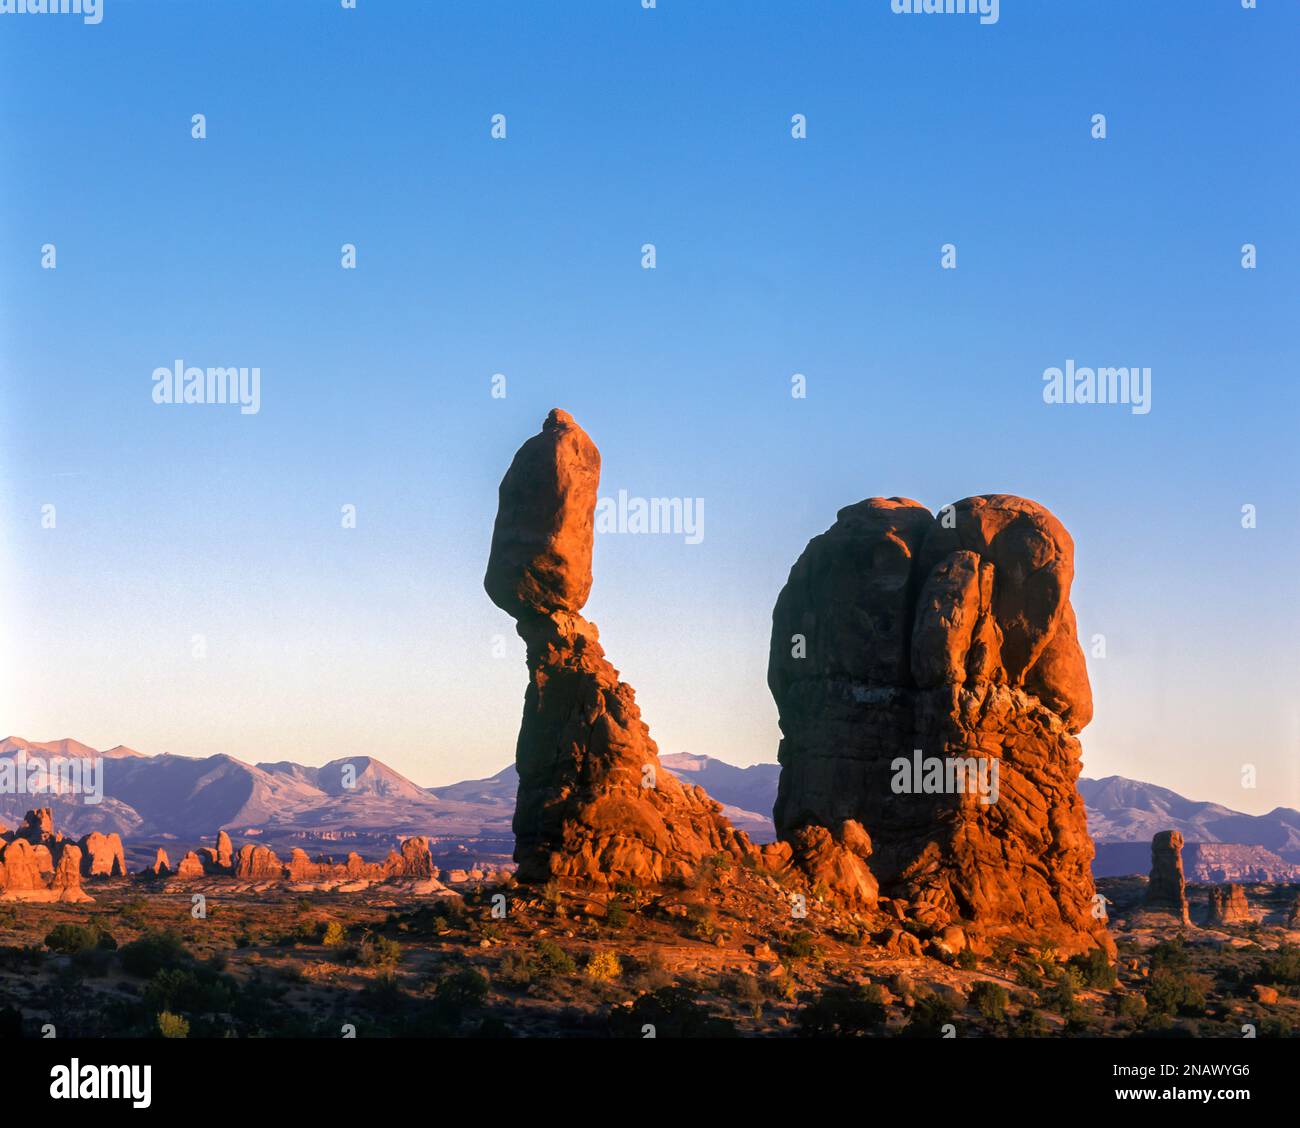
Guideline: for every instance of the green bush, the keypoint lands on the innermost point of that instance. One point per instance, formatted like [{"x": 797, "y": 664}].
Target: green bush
[
  {"x": 463, "y": 988},
  {"x": 1170, "y": 991},
  {"x": 844, "y": 1012},
  {"x": 990, "y": 1000},
  {"x": 1094, "y": 969},
  {"x": 153, "y": 952},
  {"x": 69, "y": 939}
]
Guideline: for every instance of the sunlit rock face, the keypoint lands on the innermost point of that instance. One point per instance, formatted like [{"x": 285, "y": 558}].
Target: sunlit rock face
[{"x": 930, "y": 684}]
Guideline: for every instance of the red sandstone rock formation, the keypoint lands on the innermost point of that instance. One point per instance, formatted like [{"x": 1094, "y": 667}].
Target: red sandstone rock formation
[
  {"x": 898, "y": 631},
  {"x": 225, "y": 853},
  {"x": 594, "y": 805},
  {"x": 1227, "y": 904},
  {"x": 258, "y": 863},
  {"x": 191, "y": 865},
  {"x": 102, "y": 855},
  {"x": 36, "y": 863},
  {"x": 415, "y": 860},
  {"x": 1167, "y": 888},
  {"x": 161, "y": 864}
]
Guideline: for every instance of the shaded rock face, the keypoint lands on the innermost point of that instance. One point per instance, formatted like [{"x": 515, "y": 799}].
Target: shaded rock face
[
  {"x": 914, "y": 656},
  {"x": 1167, "y": 889},
  {"x": 1228, "y": 905},
  {"x": 1293, "y": 916},
  {"x": 594, "y": 804}
]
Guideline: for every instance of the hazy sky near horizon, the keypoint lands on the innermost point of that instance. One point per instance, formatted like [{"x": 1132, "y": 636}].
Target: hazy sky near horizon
[{"x": 523, "y": 256}]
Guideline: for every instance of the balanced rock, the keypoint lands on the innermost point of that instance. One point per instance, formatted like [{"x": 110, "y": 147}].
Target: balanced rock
[
  {"x": 930, "y": 685},
  {"x": 102, "y": 855},
  {"x": 1227, "y": 904},
  {"x": 1167, "y": 889},
  {"x": 594, "y": 804}
]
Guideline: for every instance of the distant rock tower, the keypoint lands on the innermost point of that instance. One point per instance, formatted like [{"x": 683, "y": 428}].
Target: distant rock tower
[
  {"x": 1228, "y": 905},
  {"x": 1167, "y": 889},
  {"x": 594, "y": 805}
]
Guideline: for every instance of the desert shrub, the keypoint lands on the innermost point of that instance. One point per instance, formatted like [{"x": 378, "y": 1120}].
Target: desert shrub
[
  {"x": 990, "y": 1000},
  {"x": 188, "y": 991},
  {"x": 700, "y": 917},
  {"x": 69, "y": 939},
  {"x": 1029, "y": 1024},
  {"x": 603, "y": 967},
  {"x": 616, "y": 916},
  {"x": 173, "y": 1025},
  {"x": 1061, "y": 997},
  {"x": 930, "y": 1015},
  {"x": 1028, "y": 975},
  {"x": 673, "y": 1013},
  {"x": 1282, "y": 966},
  {"x": 844, "y": 1012},
  {"x": 1171, "y": 955},
  {"x": 1170, "y": 991},
  {"x": 552, "y": 960},
  {"x": 1130, "y": 1006},
  {"x": 800, "y": 946},
  {"x": 463, "y": 988},
  {"x": 335, "y": 935},
  {"x": 743, "y": 988},
  {"x": 304, "y": 905},
  {"x": 378, "y": 951},
  {"x": 153, "y": 952},
  {"x": 1094, "y": 969},
  {"x": 967, "y": 960}
]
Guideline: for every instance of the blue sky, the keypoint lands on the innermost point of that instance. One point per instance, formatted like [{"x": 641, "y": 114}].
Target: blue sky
[{"x": 774, "y": 256}]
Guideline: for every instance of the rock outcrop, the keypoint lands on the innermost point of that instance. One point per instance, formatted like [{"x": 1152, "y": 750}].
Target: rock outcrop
[
  {"x": 102, "y": 855},
  {"x": 1167, "y": 889},
  {"x": 1293, "y": 916},
  {"x": 930, "y": 685},
  {"x": 39, "y": 864},
  {"x": 594, "y": 804},
  {"x": 1227, "y": 904},
  {"x": 161, "y": 864}
]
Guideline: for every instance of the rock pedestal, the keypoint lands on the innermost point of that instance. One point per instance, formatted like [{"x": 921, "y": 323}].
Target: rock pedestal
[
  {"x": 594, "y": 804},
  {"x": 1166, "y": 889}
]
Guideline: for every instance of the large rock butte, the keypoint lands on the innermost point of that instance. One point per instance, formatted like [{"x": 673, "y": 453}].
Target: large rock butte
[
  {"x": 900, "y": 631},
  {"x": 1167, "y": 888},
  {"x": 594, "y": 804}
]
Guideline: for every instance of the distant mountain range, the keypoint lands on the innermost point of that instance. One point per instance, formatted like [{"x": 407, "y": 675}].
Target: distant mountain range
[{"x": 362, "y": 801}]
